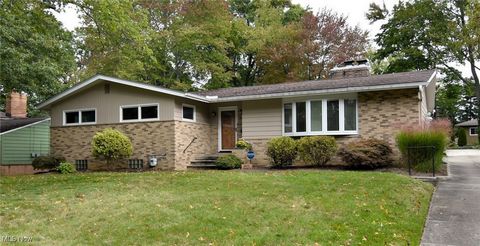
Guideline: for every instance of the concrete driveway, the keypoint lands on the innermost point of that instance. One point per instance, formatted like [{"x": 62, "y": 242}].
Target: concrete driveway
[{"x": 454, "y": 217}]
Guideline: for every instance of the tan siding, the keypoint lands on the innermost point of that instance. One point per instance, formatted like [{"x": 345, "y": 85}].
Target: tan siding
[
  {"x": 108, "y": 105},
  {"x": 262, "y": 118},
  {"x": 202, "y": 111},
  {"x": 471, "y": 139}
]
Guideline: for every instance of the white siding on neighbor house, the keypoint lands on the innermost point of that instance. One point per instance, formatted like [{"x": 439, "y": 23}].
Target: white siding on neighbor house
[
  {"x": 423, "y": 106},
  {"x": 108, "y": 105},
  {"x": 262, "y": 119}
]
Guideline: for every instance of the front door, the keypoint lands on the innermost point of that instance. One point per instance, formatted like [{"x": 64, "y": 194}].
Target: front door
[{"x": 228, "y": 129}]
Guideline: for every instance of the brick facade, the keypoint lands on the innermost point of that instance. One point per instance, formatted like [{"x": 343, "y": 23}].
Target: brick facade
[
  {"x": 169, "y": 138},
  {"x": 148, "y": 138},
  {"x": 185, "y": 132}
]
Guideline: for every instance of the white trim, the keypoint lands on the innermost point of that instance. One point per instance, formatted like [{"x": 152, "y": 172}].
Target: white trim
[
  {"x": 96, "y": 78},
  {"x": 194, "y": 112},
  {"x": 324, "y": 131},
  {"x": 470, "y": 131},
  {"x": 220, "y": 109},
  {"x": 79, "y": 110},
  {"x": 139, "y": 108},
  {"x": 31, "y": 124}
]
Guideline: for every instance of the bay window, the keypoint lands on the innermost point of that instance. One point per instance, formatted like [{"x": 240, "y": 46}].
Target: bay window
[{"x": 333, "y": 116}]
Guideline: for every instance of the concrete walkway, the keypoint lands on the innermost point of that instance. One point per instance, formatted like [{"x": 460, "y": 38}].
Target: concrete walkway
[{"x": 454, "y": 217}]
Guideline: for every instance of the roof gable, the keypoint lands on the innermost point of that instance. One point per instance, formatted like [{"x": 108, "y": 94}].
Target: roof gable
[{"x": 98, "y": 78}]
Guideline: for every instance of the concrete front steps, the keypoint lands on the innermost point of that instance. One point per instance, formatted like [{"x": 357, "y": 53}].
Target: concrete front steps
[{"x": 204, "y": 162}]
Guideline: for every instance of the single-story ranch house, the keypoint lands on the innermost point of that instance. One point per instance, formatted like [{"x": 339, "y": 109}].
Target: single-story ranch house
[{"x": 181, "y": 127}]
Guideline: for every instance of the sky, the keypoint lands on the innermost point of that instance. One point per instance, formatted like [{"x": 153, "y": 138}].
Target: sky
[{"x": 355, "y": 10}]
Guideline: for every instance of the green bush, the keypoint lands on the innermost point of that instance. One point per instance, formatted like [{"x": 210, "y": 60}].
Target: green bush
[
  {"x": 111, "y": 145},
  {"x": 66, "y": 168},
  {"x": 368, "y": 153},
  {"x": 242, "y": 144},
  {"x": 421, "y": 157},
  {"x": 282, "y": 151},
  {"x": 317, "y": 150},
  {"x": 228, "y": 162},
  {"x": 462, "y": 137},
  {"x": 49, "y": 162}
]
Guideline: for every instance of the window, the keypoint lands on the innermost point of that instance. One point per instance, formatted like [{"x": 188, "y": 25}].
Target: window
[
  {"x": 149, "y": 112},
  {"x": 287, "y": 121},
  {"x": 316, "y": 116},
  {"x": 320, "y": 117},
  {"x": 130, "y": 113},
  {"x": 139, "y": 112},
  {"x": 350, "y": 116},
  {"x": 81, "y": 165},
  {"x": 301, "y": 116},
  {"x": 80, "y": 116},
  {"x": 72, "y": 118},
  {"x": 473, "y": 131},
  {"x": 333, "y": 121},
  {"x": 188, "y": 112}
]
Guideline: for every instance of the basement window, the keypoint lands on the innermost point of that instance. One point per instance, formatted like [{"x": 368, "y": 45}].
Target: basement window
[
  {"x": 144, "y": 112},
  {"x": 188, "y": 112},
  {"x": 81, "y": 165},
  {"x": 79, "y": 116},
  {"x": 135, "y": 163}
]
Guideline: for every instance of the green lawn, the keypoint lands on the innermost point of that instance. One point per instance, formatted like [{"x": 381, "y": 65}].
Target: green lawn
[{"x": 218, "y": 207}]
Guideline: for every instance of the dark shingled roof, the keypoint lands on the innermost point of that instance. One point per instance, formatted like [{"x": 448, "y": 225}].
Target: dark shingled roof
[
  {"x": 7, "y": 124},
  {"x": 374, "y": 80},
  {"x": 468, "y": 123}
]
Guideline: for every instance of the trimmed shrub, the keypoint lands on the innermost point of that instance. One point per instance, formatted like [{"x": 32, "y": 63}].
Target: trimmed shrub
[
  {"x": 111, "y": 145},
  {"x": 412, "y": 145},
  {"x": 50, "y": 162},
  {"x": 282, "y": 151},
  {"x": 242, "y": 144},
  {"x": 66, "y": 168},
  {"x": 228, "y": 162},
  {"x": 368, "y": 153},
  {"x": 462, "y": 137},
  {"x": 317, "y": 150}
]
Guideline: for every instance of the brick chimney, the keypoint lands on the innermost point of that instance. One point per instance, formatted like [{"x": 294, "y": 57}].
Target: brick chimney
[
  {"x": 16, "y": 105},
  {"x": 351, "y": 69}
]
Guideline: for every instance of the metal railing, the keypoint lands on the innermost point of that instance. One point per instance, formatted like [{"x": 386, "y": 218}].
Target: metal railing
[{"x": 421, "y": 154}]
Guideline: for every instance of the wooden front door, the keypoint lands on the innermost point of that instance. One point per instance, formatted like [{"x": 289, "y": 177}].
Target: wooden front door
[{"x": 228, "y": 129}]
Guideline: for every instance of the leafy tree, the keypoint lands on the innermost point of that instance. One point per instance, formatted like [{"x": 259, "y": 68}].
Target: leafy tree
[
  {"x": 424, "y": 34},
  {"x": 462, "y": 137},
  {"x": 36, "y": 53},
  {"x": 114, "y": 39}
]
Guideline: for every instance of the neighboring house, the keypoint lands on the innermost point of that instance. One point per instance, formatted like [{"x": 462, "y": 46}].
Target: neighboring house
[
  {"x": 471, "y": 130},
  {"x": 21, "y": 138},
  {"x": 183, "y": 126}
]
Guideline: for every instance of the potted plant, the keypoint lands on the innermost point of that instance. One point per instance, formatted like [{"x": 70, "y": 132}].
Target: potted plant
[{"x": 242, "y": 144}]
